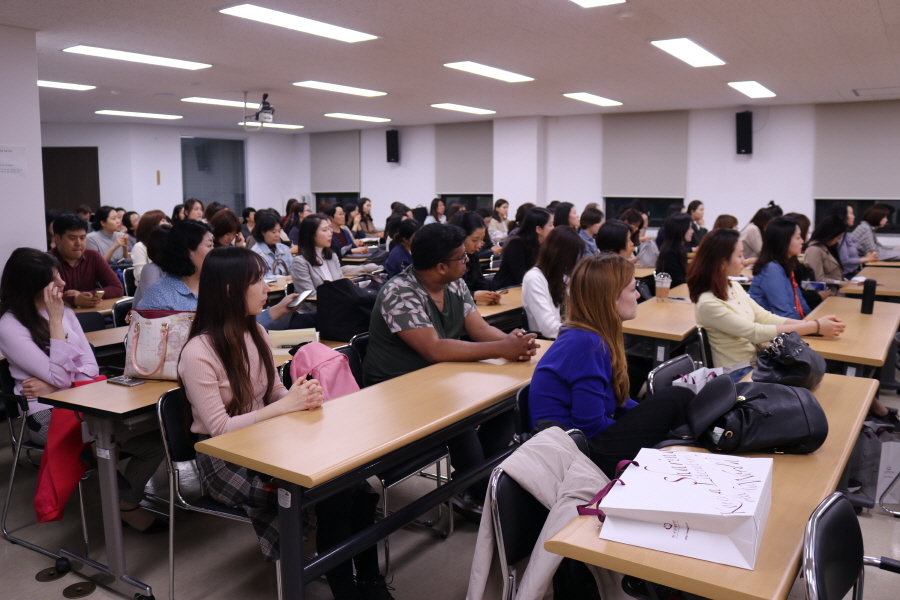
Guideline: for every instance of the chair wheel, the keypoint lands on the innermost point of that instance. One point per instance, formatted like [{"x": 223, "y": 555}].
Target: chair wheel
[
  {"x": 858, "y": 510},
  {"x": 63, "y": 565},
  {"x": 143, "y": 597}
]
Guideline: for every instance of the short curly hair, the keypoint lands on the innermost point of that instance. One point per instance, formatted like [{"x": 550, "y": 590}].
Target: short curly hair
[{"x": 185, "y": 236}]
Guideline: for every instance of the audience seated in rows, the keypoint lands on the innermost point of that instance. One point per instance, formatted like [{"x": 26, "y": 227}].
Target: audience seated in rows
[
  {"x": 673, "y": 250},
  {"x": 267, "y": 235},
  {"x": 520, "y": 251},
  {"x": 106, "y": 238},
  {"x": 400, "y": 257},
  {"x": 544, "y": 285},
  {"x": 475, "y": 229}
]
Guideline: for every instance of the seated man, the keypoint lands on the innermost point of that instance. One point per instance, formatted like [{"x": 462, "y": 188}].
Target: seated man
[
  {"x": 418, "y": 319},
  {"x": 84, "y": 271}
]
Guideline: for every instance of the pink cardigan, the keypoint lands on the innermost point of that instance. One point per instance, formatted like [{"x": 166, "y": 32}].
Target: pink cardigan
[
  {"x": 209, "y": 390},
  {"x": 68, "y": 362}
]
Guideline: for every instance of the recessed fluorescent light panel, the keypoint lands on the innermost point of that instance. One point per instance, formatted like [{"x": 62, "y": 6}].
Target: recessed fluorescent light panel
[
  {"x": 289, "y": 21},
  {"x": 478, "y": 69},
  {"x": 686, "y": 50},
  {"x": 138, "y": 58},
  {"x": 357, "y": 117},
  {"x": 592, "y": 99},
  {"x": 593, "y": 3},
  {"x": 272, "y": 125},
  {"x": 343, "y": 89},
  {"x": 122, "y": 113},
  {"x": 65, "y": 86},
  {"x": 234, "y": 103},
  {"x": 465, "y": 109},
  {"x": 752, "y": 89}
]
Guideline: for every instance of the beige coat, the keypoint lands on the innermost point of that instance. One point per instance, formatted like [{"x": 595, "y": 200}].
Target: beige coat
[
  {"x": 551, "y": 468},
  {"x": 823, "y": 263}
]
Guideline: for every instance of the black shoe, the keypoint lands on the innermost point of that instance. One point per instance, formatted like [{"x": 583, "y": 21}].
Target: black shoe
[
  {"x": 854, "y": 485},
  {"x": 375, "y": 588},
  {"x": 468, "y": 508}
]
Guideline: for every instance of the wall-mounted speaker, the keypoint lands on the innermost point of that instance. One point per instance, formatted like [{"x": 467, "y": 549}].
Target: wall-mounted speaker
[
  {"x": 744, "y": 121},
  {"x": 393, "y": 145}
]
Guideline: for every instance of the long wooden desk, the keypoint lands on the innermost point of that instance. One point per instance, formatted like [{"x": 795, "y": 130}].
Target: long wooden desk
[
  {"x": 884, "y": 263},
  {"x": 888, "y": 281},
  {"x": 799, "y": 483},
  {"x": 104, "y": 308},
  {"x": 388, "y": 421},
  {"x": 507, "y": 314},
  {"x": 867, "y": 338},
  {"x": 666, "y": 323},
  {"x": 641, "y": 272}
]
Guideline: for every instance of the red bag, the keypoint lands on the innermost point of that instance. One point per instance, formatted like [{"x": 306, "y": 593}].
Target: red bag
[{"x": 61, "y": 465}]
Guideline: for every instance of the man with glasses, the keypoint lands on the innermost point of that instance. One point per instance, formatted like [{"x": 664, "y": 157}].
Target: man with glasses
[{"x": 418, "y": 319}]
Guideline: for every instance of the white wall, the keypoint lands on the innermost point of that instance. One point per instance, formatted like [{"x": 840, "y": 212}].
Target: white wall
[
  {"x": 21, "y": 198},
  {"x": 520, "y": 160},
  {"x": 780, "y": 168},
  {"x": 411, "y": 181},
  {"x": 575, "y": 159}
]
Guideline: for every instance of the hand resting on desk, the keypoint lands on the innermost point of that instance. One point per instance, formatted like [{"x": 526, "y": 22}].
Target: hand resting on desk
[{"x": 303, "y": 395}]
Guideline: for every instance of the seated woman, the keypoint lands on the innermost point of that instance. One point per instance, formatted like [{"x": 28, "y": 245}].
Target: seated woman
[
  {"x": 149, "y": 221},
  {"x": 848, "y": 254},
  {"x": 229, "y": 390},
  {"x": 106, "y": 237},
  {"x": 476, "y": 230},
  {"x": 499, "y": 227},
  {"x": 726, "y": 222},
  {"x": 226, "y": 228},
  {"x": 875, "y": 217},
  {"x": 151, "y": 272},
  {"x": 697, "y": 211},
  {"x": 751, "y": 235},
  {"x": 591, "y": 221},
  {"x": 822, "y": 254},
  {"x": 316, "y": 262},
  {"x": 616, "y": 237},
  {"x": 436, "y": 214},
  {"x": 47, "y": 351},
  {"x": 735, "y": 324},
  {"x": 565, "y": 214},
  {"x": 268, "y": 244},
  {"x": 400, "y": 256},
  {"x": 582, "y": 380},
  {"x": 544, "y": 285},
  {"x": 647, "y": 250},
  {"x": 343, "y": 242},
  {"x": 367, "y": 225},
  {"x": 677, "y": 233},
  {"x": 521, "y": 249},
  {"x": 775, "y": 286}
]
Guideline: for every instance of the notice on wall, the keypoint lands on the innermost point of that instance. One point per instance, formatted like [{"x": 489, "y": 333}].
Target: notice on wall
[{"x": 12, "y": 161}]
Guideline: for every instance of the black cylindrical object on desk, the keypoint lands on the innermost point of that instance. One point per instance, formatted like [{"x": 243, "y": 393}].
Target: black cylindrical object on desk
[{"x": 868, "y": 297}]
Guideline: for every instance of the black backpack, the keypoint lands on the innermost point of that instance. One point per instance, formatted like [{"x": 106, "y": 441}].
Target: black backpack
[{"x": 344, "y": 308}]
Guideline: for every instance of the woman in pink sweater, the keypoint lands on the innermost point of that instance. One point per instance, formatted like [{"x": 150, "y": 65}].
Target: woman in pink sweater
[{"x": 229, "y": 376}]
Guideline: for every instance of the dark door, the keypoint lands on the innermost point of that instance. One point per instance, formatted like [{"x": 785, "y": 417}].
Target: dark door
[{"x": 71, "y": 177}]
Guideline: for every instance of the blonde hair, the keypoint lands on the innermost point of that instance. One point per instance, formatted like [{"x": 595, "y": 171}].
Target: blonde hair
[{"x": 594, "y": 288}]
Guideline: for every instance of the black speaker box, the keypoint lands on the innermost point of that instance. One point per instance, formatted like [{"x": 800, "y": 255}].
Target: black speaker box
[
  {"x": 744, "y": 130},
  {"x": 393, "y": 145}
]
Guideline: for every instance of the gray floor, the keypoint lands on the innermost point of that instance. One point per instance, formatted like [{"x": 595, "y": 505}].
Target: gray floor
[{"x": 217, "y": 558}]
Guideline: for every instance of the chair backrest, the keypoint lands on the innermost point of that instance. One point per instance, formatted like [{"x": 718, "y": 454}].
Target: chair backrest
[
  {"x": 662, "y": 376},
  {"x": 128, "y": 280},
  {"x": 360, "y": 343},
  {"x": 7, "y": 391},
  {"x": 120, "y": 311},
  {"x": 832, "y": 550},
  {"x": 285, "y": 372},
  {"x": 355, "y": 363},
  {"x": 518, "y": 517},
  {"x": 580, "y": 440},
  {"x": 705, "y": 348},
  {"x": 521, "y": 415},
  {"x": 174, "y": 413},
  {"x": 91, "y": 321}
]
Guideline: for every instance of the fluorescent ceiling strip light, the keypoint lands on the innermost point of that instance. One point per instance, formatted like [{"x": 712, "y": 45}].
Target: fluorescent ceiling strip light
[
  {"x": 272, "y": 125},
  {"x": 65, "y": 86},
  {"x": 234, "y": 103},
  {"x": 686, "y": 50},
  {"x": 357, "y": 117},
  {"x": 122, "y": 113},
  {"x": 465, "y": 109},
  {"x": 289, "y": 21},
  {"x": 343, "y": 89},
  {"x": 479, "y": 69},
  {"x": 593, "y": 3},
  {"x": 752, "y": 89},
  {"x": 138, "y": 58},
  {"x": 592, "y": 99}
]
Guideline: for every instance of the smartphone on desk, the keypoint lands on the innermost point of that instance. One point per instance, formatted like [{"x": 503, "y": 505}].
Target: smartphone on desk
[{"x": 126, "y": 381}]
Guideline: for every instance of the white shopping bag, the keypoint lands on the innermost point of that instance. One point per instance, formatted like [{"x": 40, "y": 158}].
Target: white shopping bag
[
  {"x": 695, "y": 380},
  {"x": 708, "y": 506},
  {"x": 888, "y": 468}
]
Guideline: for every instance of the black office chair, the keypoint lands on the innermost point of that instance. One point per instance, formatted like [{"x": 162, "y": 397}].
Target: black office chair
[
  {"x": 355, "y": 362},
  {"x": 16, "y": 407},
  {"x": 120, "y": 310},
  {"x": 360, "y": 343},
  {"x": 521, "y": 416},
  {"x": 518, "y": 519},
  {"x": 91, "y": 321},
  {"x": 174, "y": 413},
  {"x": 662, "y": 376},
  {"x": 705, "y": 348},
  {"x": 128, "y": 280},
  {"x": 833, "y": 560}
]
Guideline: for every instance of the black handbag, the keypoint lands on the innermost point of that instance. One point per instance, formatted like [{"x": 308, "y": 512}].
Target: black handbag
[
  {"x": 343, "y": 308},
  {"x": 762, "y": 417},
  {"x": 790, "y": 361}
]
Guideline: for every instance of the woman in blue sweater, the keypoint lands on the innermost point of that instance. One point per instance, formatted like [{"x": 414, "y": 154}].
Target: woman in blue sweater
[
  {"x": 775, "y": 287},
  {"x": 582, "y": 380}
]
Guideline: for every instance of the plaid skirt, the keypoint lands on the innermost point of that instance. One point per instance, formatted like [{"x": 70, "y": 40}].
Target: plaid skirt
[{"x": 233, "y": 486}]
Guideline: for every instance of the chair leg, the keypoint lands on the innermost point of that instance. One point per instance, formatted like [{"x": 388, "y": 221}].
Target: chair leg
[
  {"x": 84, "y": 530},
  {"x": 387, "y": 539},
  {"x": 172, "y": 476},
  {"x": 278, "y": 578}
]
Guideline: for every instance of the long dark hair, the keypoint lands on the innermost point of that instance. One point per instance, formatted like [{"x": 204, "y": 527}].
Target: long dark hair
[
  {"x": 434, "y": 206},
  {"x": 306, "y": 239},
  {"x": 776, "y": 241},
  {"x": 674, "y": 229},
  {"x": 831, "y": 227},
  {"x": 521, "y": 213},
  {"x": 557, "y": 259},
  {"x": 364, "y": 217},
  {"x": 28, "y": 271},
  {"x": 222, "y": 315},
  {"x": 102, "y": 214},
  {"x": 761, "y": 218},
  {"x": 500, "y": 202},
  {"x": 536, "y": 217},
  {"x": 706, "y": 273},
  {"x": 613, "y": 236},
  {"x": 561, "y": 214}
]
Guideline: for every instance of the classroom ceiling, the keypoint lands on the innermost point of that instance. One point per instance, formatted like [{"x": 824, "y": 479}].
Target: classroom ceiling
[{"x": 806, "y": 51}]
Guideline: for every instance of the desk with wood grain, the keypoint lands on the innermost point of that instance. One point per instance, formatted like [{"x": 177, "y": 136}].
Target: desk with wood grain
[{"x": 888, "y": 282}]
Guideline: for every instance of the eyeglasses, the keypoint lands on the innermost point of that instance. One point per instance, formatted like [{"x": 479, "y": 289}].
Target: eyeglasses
[{"x": 464, "y": 259}]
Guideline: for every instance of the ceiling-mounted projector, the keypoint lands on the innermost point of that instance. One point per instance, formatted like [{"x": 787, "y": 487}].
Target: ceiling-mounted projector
[{"x": 265, "y": 114}]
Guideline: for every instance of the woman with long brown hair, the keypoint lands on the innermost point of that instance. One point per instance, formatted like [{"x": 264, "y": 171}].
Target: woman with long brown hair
[
  {"x": 149, "y": 221},
  {"x": 582, "y": 380},
  {"x": 544, "y": 285},
  {"x": 229, "y": 377}
]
